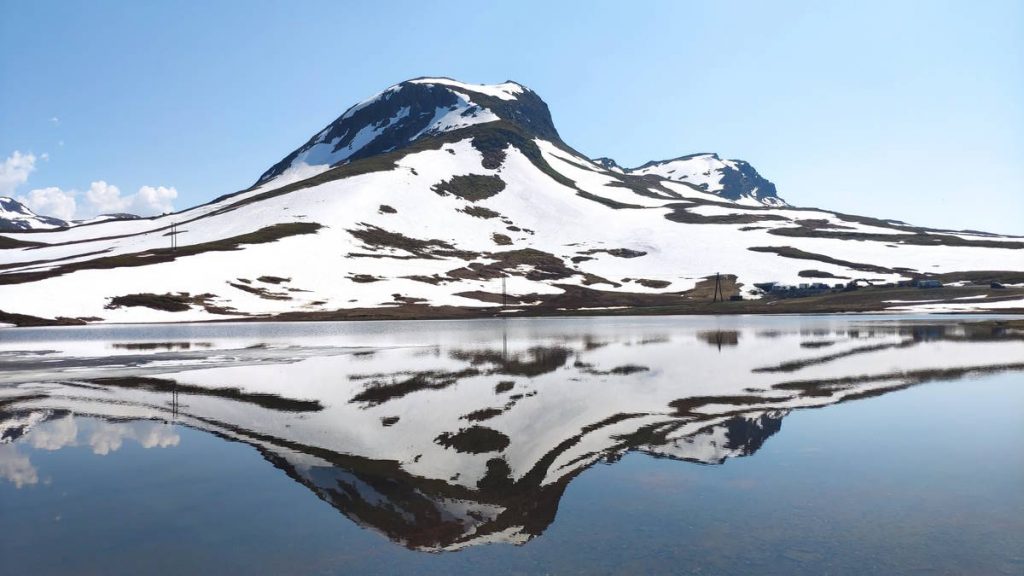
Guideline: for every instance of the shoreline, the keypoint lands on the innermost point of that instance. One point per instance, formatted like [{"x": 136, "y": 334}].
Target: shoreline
[{"x": 864, "y": 301}]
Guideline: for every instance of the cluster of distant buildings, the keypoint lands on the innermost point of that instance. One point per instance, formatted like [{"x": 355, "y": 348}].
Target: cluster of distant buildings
[{"x": 803, "y": 289}]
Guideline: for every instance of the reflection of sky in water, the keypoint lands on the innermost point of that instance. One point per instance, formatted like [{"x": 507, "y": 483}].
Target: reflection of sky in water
[{"x": 101, "y": 437}]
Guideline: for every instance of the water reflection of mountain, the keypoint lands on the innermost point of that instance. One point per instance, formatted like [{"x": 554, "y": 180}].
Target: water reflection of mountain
[{"x": 475, "y": 442}]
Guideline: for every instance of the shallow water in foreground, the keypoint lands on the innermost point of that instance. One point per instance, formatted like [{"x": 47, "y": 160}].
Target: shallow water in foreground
[{"x": 784, "y": 445}]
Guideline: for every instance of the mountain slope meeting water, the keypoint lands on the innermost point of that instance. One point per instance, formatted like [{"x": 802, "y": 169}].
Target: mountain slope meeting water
[{"x": 438, "y": 198}]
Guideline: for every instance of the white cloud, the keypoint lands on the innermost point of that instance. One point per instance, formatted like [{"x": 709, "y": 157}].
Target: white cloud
[
  {"x": 51, "y": 201},
  {"x": 54, "y": 120},
  {"x": 14, "y": 171},
  {"x": 106, "y": 198},
  {"x": 148, "y": 201},
  {"x": 154, "y": 200},
  {"x": 100, "y": 198}
]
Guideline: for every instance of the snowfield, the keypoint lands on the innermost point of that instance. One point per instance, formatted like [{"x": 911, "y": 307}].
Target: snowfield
[{"x": 444, "y": 219}]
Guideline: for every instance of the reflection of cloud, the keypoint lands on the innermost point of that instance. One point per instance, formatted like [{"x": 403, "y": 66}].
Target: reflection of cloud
[
  {"x": 55, "y": 434},
  {"x": 15, "y": 467},
  {"x": 108, "y": 437}
]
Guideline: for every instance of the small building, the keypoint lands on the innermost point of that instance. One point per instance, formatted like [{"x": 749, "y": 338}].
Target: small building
[{"x": 929, "y": 284}]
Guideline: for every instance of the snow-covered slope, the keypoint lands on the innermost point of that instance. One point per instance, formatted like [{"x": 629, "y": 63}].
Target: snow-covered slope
[
  {"x": 439, "y": 193},
  {"x": 15, "y": 216}
]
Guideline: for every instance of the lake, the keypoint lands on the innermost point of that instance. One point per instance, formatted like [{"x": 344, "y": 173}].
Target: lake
[{"x": 665, "y": 445}]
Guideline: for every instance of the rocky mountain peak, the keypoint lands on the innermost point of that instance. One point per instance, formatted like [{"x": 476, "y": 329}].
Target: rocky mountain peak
[{"x": 409, "y": 111}]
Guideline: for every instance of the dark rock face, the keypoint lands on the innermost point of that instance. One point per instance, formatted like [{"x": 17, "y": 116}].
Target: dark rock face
[
  {"x": 607, "y": 163},
  {"x": 405, "y": 113},
  {"x": 745, "y": 181}
]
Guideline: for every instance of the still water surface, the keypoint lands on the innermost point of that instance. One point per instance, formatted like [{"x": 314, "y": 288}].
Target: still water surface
[{"x": 580, "y": 446}]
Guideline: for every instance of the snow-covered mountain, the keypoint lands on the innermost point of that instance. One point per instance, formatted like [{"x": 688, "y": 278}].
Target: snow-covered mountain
[
  {"x": 432, "y": 196},
  {"x": 732, "y": 179},
  {"x": 16, "y": 217}
]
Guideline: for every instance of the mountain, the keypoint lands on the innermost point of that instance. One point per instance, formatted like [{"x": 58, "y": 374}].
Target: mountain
[
  {"x": 732, "y": 179},
  {"x": 437, "y": 198},
  {"x": 16, "y": 217}
]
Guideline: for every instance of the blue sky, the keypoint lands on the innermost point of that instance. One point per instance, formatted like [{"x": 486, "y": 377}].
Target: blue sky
[{"x": 908, "y": 110}]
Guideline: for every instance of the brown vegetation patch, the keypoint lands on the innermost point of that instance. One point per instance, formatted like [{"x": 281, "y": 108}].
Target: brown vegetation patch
[
  {"x": 820, "y": 274},
  {"x": 705, "y": 289},
  {"x": 790, "y": 252},
  {"x": 435, "y": 279},
  {"x": 617, "y": 252},
  {"x": 399, "y": 299},
  {"x": 682, "y": 215},
  {"x": 501, "y": 239},
  {"x": 614, "y": 204},
  {"x": 363, "y": 278},
  {"x": 260, "y": 291},
  {"x": 26, "y": 320},
  {"x": 376, "y": 238},
  {"x": 272, "y": 280},
  {"x": 385, "y": 209},
  {"x": 480, "y": 212},
  {"x": 543, "y": 266},
  {"x": 921, "y": 238},
  {"x": 6, "y": 242},
  {"x": 472, "y": 187},
  {"x": 495, "y": 298},
  {"x": 656, "y": 284},
  {"x": 178, "y": 302}
]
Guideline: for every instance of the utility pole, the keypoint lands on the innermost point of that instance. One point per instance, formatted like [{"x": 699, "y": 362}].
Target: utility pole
[
  {"x": 504, "y": 295},
  {"x": 174, "y": 237},
  {"x": 718, "y": 289}
]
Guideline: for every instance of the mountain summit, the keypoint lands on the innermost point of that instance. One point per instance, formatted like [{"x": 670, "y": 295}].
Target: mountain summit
[
  {"x": 438, "y": 198},
  {"x": 415, "y": 109}
]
